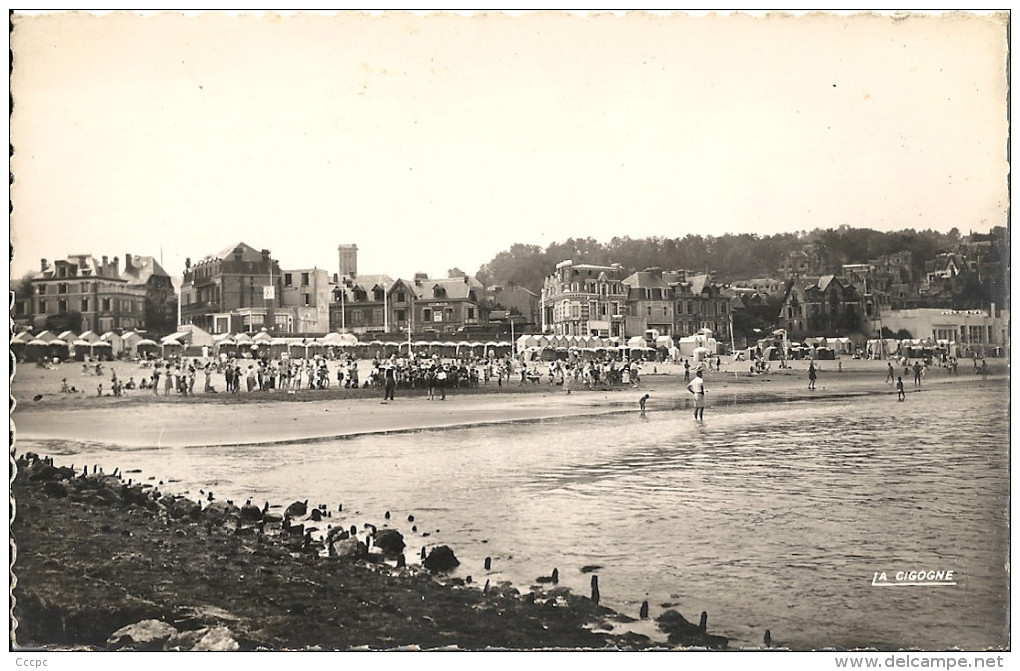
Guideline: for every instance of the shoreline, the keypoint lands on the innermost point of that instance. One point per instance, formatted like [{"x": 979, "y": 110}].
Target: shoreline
[{"x": 316, "y": 416}]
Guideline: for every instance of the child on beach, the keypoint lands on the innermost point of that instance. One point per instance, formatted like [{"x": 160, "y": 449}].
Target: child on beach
[
  {"x": 642, "y": 401},
  {"x": 900, "y": 394}
]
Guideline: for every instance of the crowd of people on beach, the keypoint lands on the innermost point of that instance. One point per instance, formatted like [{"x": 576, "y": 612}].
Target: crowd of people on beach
[{"x": 240, "y": 375}]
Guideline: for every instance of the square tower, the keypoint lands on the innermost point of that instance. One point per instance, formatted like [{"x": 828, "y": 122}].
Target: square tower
[{"x": 348, "y": 255}]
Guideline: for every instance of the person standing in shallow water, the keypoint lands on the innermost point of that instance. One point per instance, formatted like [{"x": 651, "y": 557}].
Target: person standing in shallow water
[{"x": 697, "y": 387}]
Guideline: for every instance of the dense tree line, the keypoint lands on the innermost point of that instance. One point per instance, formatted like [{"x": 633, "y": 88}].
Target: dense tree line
[{"x": 732, "y": 256}]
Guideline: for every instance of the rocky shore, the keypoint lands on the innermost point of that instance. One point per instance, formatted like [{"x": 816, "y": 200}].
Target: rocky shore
[{"x": 105, "y": 563}]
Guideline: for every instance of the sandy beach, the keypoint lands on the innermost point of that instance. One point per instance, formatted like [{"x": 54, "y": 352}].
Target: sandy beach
[{"x": 143, "y": 419}]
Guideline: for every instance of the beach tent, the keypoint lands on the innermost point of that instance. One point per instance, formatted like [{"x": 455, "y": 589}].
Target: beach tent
[
  {"x": 277, "y": 347},
  {"x": 18, "y": 344},
  {"x": 45, "y": 336},
  {"x": 36, "y": 350},
  {"x": 103, "y": 349},
  {"x": 701, "y": 353},
  {"x": 80, "y": 349},
  {"x": 145, "y": 347},
  {"x": 58, "y": 349},
  {"x": 68, "y": 336},
  {"x": 636, "y": 342},
  {"x": 89, "y": 337},
  {"x": 524, "y": 342}
]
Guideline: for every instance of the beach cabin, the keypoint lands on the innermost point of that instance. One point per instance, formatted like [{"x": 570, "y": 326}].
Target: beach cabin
[
  {"x": 115, "y": 340},
  {"x": 129, "y": 343}
]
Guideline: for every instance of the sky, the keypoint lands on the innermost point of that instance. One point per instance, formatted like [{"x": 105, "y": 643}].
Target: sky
[{"x": 438, "y": 141}]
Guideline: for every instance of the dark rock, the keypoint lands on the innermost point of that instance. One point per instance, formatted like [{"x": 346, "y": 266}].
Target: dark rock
[
  {"x": 390, "y": 541},
  {"x": 45, "y": 472},
  {"x": 182, "y": 508},
  {"x": 348, "y": 548},
  {"x": 296, "y": 509},
  {"x": 55, "y": 489},
  {"x": 220, "y": 511},
  {"x": 144, "y": 635},
  {"x": 249, "y": 513},
  {"x": 682, "y": 632},
  {"x": 441, "y": 559},
  {"x": 316, "y": 515}
]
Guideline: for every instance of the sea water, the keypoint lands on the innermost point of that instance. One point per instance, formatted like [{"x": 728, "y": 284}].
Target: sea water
[{"x": 774, "y": 516}]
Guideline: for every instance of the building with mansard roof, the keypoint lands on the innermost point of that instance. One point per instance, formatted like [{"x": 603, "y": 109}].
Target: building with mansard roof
[{"x": 106, "y": 296}]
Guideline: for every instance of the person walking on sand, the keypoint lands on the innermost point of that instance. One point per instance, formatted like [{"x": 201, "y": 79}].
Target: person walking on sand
[
  {"x": 391, "y": 384},
  {"x": 900, "y": 394},
  {"x": 697, "y": 387},
  {"x": 812, "y": 375},
  {"x": 890, "y": 376}
]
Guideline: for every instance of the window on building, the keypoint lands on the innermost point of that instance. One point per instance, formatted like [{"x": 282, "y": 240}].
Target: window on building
[
  {"x": 84, "y": 305},
  {"x": 62, "y": 305},
  {"x": 470, "y": 313},
  {"x": 426, "y": 314},
  {"x": 400, "y": 297},
  {"x": 62, "y": 288},
  {"x": 401, "y": 315},
  {"x": 288, "y": 280},
  {"x": 357, "y": 318},
  {"x": 41, "y": 289},
  {"x": 42, "y": 306},
  {"x": 304, "y": 279},
  {"x": 377, "y": 317},
  {"x": 308, "y": 299},
  {"x": 106, "y": 304}
]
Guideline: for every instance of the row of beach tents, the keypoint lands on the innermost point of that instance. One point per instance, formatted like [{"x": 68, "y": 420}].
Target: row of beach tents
[
  {"x": 47, "y": 345},
  {"x": 193, "y": 341}
]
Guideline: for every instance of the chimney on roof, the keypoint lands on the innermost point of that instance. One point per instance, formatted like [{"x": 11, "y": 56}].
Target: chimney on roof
[
  {"x": 106, "y": 262},
  {"x": 127, "y": 262},
  {"x": 44, "y": 265},
  {"x": 116, "y": 266}
]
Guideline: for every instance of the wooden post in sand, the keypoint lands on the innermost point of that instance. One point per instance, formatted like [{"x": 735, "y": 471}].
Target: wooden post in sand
[{"x": 595, "y": 590}]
